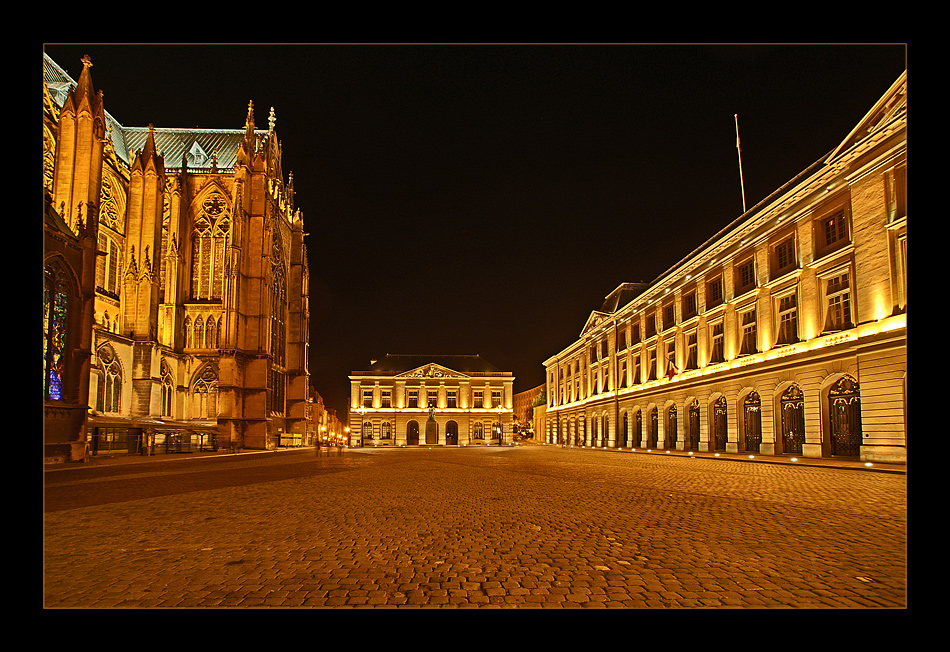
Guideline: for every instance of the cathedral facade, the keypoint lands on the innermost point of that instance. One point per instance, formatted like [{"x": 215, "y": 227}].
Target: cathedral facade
[
  {"x": 175, "y": 282},
  {"x": 784, "y": 334}
]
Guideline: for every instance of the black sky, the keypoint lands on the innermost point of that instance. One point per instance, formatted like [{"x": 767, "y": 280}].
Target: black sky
[{"x": 485, "y": 198}]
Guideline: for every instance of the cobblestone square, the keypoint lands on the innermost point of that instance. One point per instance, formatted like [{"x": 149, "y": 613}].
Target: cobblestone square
[{"x": 520, "y": 527}]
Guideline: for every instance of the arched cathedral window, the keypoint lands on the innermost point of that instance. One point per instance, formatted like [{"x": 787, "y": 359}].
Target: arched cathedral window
[
  {"x": 206, "y": 393},
  {"x": 111, "y": 388},
  {"x": 56, "y": 292},
  {"x": 209, "y": 241}
]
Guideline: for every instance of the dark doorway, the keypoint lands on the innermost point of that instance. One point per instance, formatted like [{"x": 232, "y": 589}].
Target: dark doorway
[{"x": 412, "y": 433}]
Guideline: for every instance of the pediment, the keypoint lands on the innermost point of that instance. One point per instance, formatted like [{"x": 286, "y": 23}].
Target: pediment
[
  {"x": 596, "y": 319},
  {"x": 432, "y": 370},
  {"x": 888, "y": 114}
]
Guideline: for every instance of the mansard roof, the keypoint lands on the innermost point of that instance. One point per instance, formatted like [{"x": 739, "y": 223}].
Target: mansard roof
[{"x": 401, "y": 363}]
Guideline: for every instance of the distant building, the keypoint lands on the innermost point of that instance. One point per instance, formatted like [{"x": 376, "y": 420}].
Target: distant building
[
  {"x": 785, "y": 333},
  {"x": 410, "y": 400},
  {"x": 524, "y": 407},
  {"x": 175, "y": 271}
]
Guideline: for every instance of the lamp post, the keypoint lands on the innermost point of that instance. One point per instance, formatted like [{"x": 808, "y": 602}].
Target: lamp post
[{"x": 501, "y": 427}]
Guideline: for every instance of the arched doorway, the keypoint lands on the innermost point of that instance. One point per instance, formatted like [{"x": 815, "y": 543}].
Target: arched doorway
[
  {"x": 752, "y": 421},
  {"x": 654, "y": 428},
  {"x": 625, "y": 433},
  {"x": 451, "y": 434},
  {"x": 671, "y": 428},
  {"x": 720, "y": 423},
  {"x": 793, "y": 420},
  {"x": 605, "y": 432},
  {"x": 844, "y": 403},
  {"x": 412, "y": 433},
  {"x": 694, "y": 425},
  {"x": 638, "y": 428}
]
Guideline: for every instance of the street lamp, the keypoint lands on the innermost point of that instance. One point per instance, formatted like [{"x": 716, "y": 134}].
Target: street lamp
[{"x": 501, "y": 428}]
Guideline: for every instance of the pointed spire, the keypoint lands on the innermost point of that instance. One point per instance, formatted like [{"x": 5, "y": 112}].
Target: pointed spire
[
  {"x": 84, "y": 86},
  {"x": 249, "y": 122},
  {"x": 271, "y": 120}
]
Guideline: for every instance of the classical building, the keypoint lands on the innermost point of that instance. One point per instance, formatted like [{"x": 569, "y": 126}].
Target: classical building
[
  {"x": 785, "y": 333},
  {"x": 175, "y": 297},
  {"x": 524, "y": 404},
  {"x": 409, "y": 400}
]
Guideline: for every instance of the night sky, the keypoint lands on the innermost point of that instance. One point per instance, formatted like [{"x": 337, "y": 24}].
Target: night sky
[{"x": 483, "y": 199}]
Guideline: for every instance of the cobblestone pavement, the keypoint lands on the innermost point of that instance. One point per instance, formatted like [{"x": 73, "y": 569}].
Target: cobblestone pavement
[{"x": 517, "y": 527}]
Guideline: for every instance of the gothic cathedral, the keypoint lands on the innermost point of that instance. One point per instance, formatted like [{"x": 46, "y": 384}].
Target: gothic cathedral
[{"x": 175, "y": 282}]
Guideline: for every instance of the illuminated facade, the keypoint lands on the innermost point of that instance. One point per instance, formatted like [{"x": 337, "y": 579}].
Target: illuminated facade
[
  {"x": 193, "y": 279},
  {"x": 784, "y": 334},
  {"x": 409, "y": 400}
]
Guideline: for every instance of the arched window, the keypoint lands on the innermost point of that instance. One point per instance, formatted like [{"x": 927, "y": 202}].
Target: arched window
[
  {"x": 187, "y": 332},
  {"x": 111, "y": 378},
  {"x": 206, "y": 393},
  {"x": 199, "y": 339},
  {"x": 211, "y": 331},
  {"x": 168, "y": 389},
  {"x": 209, "y": 241},
  {"x": 56, "y": 293},
  {"x": 367, "y": 430},
  {"x": 386, "y": 431}
]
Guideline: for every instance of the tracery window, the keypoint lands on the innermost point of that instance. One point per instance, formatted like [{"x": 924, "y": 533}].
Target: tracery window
[
  {"x": 168, "y": 389},
  {"x": 56, "y": 291},
  {"x": 206, "y": 393},
  {"x": 111, "y": 388},
  {"x": 209, "y": 241}
]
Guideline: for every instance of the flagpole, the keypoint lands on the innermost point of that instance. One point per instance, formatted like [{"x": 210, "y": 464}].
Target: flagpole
[{"x": 739, "y": 149}]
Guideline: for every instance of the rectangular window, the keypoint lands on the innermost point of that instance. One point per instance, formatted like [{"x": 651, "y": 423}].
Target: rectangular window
[
  {"x": 635, "y": 334},
  {"x": 748, "y": 333},
  {"x": 787, "y": 320},
  {"x": 896, "y": 190},
  {"x": 745, "y": 276},
  {"x": 651, "y": 324},
  {"x": 689, "y": 305},
  {"x": 714, "y": 292},
  {"x": 692, "y": 361},
  {"x": 622, "y": 340},
  {"x": 838, "y": 295},
  {"x": 495, "y": 398},
  {"x": 477, "y": 399},
  {"x": 784, "y": 259},
  {"x": 412, "y": 399},
  {"x": 636, "y": 368},
  {"x": 367, "y": 398},
  {"x": 451, "y": 399},
  {"x": 716, "y": 351},
  {"x": 623, "y": 373},
  {"x": 668, "y": 319},
  {"x": 651, "y": 364},
  {"x": 386, "y": 398},
  {"x": 432, "y": 399}
]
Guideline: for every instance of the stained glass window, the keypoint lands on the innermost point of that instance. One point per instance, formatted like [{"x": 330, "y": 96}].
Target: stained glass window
[{"x": 55, "y": 319}]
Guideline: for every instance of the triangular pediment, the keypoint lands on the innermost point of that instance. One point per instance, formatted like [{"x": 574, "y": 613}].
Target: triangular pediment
[
  {"x": 432, "y": 370},
  {"x": 596, "y": 319},
  {"x": 888, "y": 114}
]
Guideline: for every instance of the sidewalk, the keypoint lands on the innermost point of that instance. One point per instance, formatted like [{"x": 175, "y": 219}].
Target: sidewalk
[
  {"x": 788, "y": 460},
  {"x": 112, "y": 458}
]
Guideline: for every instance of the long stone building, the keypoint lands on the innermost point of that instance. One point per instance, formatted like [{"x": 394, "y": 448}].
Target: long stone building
[
  {"x": 449, "y": 400},
  {"x": 175, "y": 296},
  {"x": 785, "y": 333}
]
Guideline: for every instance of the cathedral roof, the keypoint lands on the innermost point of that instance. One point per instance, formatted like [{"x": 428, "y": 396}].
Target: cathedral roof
[{"x": 199, "y": 145}]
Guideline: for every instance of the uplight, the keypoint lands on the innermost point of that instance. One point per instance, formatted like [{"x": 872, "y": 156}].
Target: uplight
[
  {"x": 751, "y": 457},
  {"x": 717, "y": 454},
  {"x": 794, "y": 459},
  {"x": 868, "y": 464}
]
